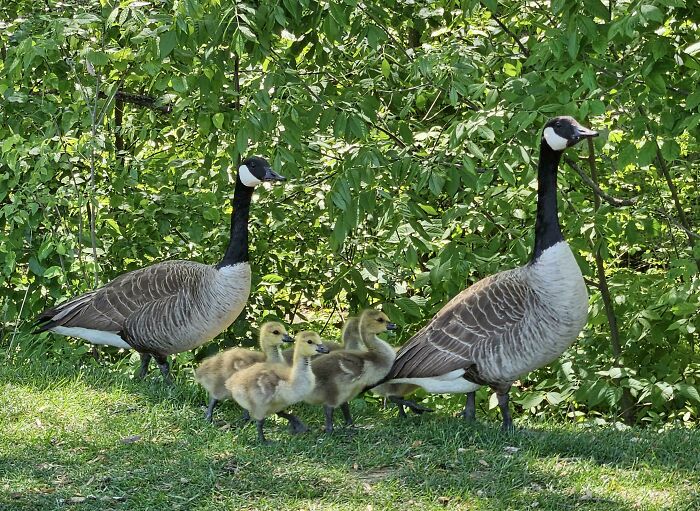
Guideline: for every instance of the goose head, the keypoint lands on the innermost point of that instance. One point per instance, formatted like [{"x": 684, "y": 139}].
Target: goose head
[
  {"x": 255, "y": 170},
  {"x": 308, "y": 344},
  {"x": 562, "y": 132},
  {"x": 375, "y": 322},
  {"x": 274, "y": 334}
]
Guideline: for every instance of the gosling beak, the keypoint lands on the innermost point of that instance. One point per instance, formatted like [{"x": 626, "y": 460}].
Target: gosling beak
[
  {"x": 271, "y": 175},
  {"x": 287, "y": 338},
  {"x": 320, "y": 348},
  {"x": 391, "y": 326}
]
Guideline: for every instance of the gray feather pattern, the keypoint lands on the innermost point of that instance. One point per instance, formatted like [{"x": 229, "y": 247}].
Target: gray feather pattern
[{"x": 165, "y": 308}]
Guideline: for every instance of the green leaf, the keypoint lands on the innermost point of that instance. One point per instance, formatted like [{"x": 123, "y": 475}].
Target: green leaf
[
  {"x": 35, "y": 267},
  {"x": 218, "y": 120},
  {"x": 167, "y": 42},
  {"x": 386, "y": 68},
  {"x": 408, "y": 306},
  {"x": 651, "y": 12}
]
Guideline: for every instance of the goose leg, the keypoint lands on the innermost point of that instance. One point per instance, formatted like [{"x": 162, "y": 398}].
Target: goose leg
[
  {"x": 505, "y": 411},
  {"x": 413, "y": 406},
  {"x": 470, "y": 407},
  {"x": 164, "y": 368},
  {"x": 261, "y": 433},
  {"x": 295, "y": 424},
  {"x": 143, "y": 370},
  {"x": 210, "y": 409},
  {"x": 347, "y": 416},
  {"x": 328, "y": 410},
  {"x": 245, "y": 418}
]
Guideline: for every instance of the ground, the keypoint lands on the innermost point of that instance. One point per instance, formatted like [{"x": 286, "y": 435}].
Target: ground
[{"x": 93, "y": 439}]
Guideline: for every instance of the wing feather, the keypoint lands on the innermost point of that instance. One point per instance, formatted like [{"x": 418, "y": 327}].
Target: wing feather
[{"x": 481, "y": 314}]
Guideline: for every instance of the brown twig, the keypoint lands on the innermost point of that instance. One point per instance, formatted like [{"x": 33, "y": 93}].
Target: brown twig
[
  {"x": 626, "y": 401},
  {"x": 515, "y": 38},
  {"x": 613, "y": 201}
]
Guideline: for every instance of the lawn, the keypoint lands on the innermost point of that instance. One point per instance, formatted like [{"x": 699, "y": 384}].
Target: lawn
[{"x": 93, "y": 439}]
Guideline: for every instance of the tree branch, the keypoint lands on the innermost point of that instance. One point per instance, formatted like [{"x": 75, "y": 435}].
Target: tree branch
[
  {"x": 613, "y": 201},
  {"x": 515, "y": 38},
  {"x": 626, "y": 401}
]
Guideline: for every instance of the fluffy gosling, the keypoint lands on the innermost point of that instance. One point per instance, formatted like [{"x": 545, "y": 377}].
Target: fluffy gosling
[
  {"x": 267, "y": 388},
  {"x": 343, "y": 374},
  {"x": 213, "y": 372}
]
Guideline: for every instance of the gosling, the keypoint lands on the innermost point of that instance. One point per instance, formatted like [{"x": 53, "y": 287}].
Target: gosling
[
  {"x": 213, "y": 372},
  {"x": 342, "y": 375},
  {"x": 267, "y": 388},
  {"x": 350, "y": 336}
]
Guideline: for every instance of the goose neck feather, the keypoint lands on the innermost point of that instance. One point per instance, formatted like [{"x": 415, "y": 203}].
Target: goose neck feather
[
  {"x": 547, "y": 229},
  {"x": 237, "y": 250}
]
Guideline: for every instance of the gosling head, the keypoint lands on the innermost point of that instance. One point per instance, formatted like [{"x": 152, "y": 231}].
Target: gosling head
[
  {"x": 308, "y": 344},
  {"x": 564, "y": 131},
  {"x": 274, "y": 334},
  {"x": 375, "y": 322},
  {"x": 255, "y": 170}
]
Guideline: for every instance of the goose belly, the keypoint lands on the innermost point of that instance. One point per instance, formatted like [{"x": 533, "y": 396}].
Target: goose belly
[{"x": 219, "y": 302}]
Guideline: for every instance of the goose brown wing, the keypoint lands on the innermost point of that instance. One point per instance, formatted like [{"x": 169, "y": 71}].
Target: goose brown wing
[
  {"x": 483, "y": 313},
  {"x": 108, "y": 307}
]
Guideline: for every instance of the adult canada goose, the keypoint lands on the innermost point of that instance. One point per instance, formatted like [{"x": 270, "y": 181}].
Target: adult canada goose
[
  {"x": 213, "y": 372},
  {"x": 514, "y": 321},
  {"x": 267, "y": 388},
  {"x": 343, "y": 374},
  {"x": 172, "y": 306}
]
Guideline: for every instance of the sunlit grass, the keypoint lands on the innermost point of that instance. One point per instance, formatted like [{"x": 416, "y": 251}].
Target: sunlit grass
[{"x": 94, "y": 439}]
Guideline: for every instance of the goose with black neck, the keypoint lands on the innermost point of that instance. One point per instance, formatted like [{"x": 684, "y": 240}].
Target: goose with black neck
[
  {"x": 515, "y": 321},
  {"x": 171, "y": 306}
]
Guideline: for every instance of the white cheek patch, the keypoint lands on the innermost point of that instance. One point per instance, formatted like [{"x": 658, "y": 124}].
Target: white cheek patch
[
  {"x": 247, "y": 177},
  {"x": 553, "y": 140}
]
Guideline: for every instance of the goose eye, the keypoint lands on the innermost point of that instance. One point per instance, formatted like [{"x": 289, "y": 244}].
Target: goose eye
[
  {"x": 310, "y": 341},
  {"x": 381, "y": 320},
  {"x": 276, "y": 332}
]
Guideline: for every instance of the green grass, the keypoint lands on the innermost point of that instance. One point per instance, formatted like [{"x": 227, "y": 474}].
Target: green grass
[{"x": 64, "y": 443}]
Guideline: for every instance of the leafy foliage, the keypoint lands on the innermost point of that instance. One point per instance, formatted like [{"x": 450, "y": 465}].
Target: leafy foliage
[{"x": 409, "y": 133}]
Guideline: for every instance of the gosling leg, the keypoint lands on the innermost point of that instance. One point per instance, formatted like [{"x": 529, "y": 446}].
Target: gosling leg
[
  {"x": 328, "y": 410},
  {"x": 210, "y": 409},
  {"x": 347, "y": 416},
  {"x": 261, "y": 433},
  {"x": 295, "y": 425}
]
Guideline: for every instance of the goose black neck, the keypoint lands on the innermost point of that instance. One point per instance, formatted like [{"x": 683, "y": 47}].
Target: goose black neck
[
  {"x": 237, "y": 250},
  {"x": 547, "y": 229}
]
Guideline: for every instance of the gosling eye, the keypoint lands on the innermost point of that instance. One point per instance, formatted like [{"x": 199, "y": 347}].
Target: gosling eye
[
  {"x": 276, "y": 332},
  {"x": 381, "y": 320},
  {"x": 309, "y": 341}
]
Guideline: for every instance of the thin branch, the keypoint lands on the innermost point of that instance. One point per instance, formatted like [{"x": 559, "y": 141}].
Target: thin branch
[
  {"x": 92, "y": 200},
  {"x": 626, "y": 401},
  {"x": 515, "y": 38},
  {"x": 613, "y": 201},
  {"x": 676, "y": 223}
]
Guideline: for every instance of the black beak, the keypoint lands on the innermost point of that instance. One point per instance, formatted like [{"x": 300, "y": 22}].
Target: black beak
[
  {"x": 271, "y": 175},
  {"x": 287, "y": 338},
  {"x": 581, "y": 132},
  {"x": 391, "y": 326},
  {"x": 321, "y": 348}
]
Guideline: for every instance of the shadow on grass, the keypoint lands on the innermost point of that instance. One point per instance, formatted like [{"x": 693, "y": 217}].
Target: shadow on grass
[{"x": 175, "y": 459}]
